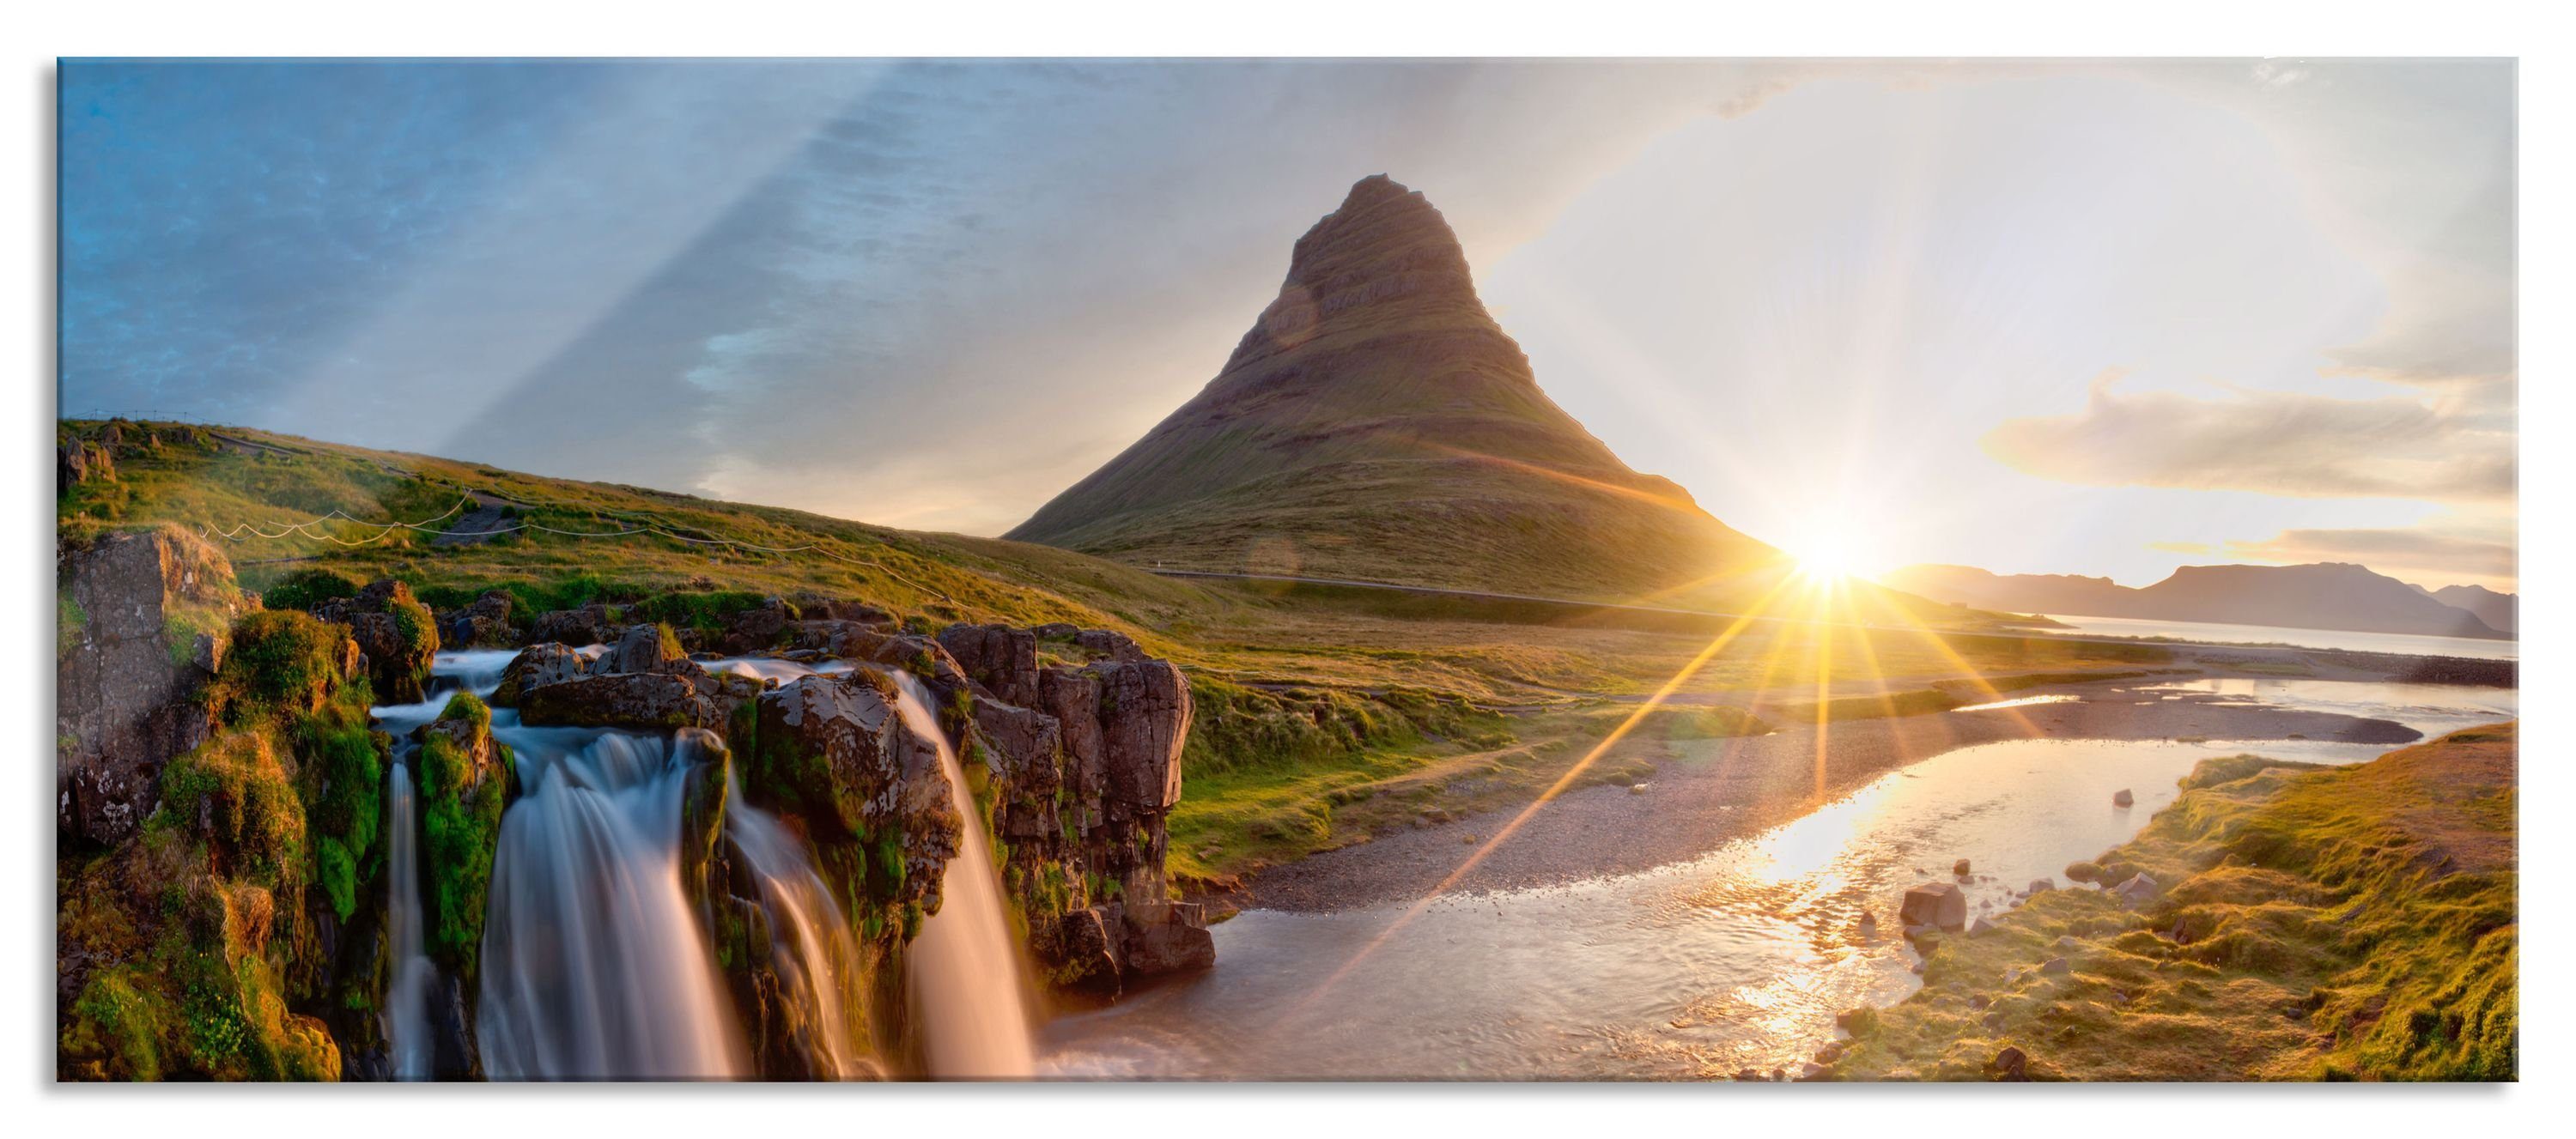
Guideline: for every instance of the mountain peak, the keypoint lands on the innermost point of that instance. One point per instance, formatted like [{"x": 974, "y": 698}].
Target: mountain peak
[
  {"x": 1374, "y": 188},
  {"x": 1375, "y": 422}
]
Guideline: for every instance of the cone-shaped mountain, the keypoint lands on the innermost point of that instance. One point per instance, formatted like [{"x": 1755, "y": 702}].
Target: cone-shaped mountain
[{"x": 1377, "y": 424}]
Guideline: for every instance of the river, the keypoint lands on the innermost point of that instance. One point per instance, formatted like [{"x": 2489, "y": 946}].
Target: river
[{"x": 1739, "y": 958}]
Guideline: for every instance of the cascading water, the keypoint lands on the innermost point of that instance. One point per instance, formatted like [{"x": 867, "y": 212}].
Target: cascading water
[
  {"x": 594, "y": 965},
  {"x": 817, "y": 959},
  {"x": 967, "y": 989},
  {"x": 407, "y": 1032}
]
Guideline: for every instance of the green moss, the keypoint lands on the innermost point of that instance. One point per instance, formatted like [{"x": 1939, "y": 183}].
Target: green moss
[
  {"x": 703, "y": 611},
  {"x": 2316, "y": 924},
  {"x": 71, "y": 623},
  {"x": 470, "y": 708},
  {"x": 115, "y": 1020},
  {"x": 281, "y": 660},
  {"x": 304, "y": 589},
  {"x": 460, "y": 829},
  {"x": 233, "y": 792},
  {"x": 343, "y": 794}
]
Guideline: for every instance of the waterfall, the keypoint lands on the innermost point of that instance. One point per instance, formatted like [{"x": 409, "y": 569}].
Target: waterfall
[
  {"x": 594, "y": 966},
  {"x": 407, "y": 1031},
  {"x": 964, "y": 973},
  {"x": 815, "y": 958}
]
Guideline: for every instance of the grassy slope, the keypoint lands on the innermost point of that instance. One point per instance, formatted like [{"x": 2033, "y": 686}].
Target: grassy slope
[
  {"x": 1304, "y": 693},
  {"x": 2321, "y": 923}
]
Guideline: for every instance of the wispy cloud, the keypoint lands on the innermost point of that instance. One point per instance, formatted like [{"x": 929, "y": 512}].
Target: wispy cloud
[{"x": 2270, "y": 442}]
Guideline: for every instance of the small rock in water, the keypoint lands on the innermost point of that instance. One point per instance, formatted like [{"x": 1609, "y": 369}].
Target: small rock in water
[
  {"x": 1979, "y": 1002},
  {"x": 1936, "y": 904},
  {"x": 1636, "y": 788},
  {"x": 2122, "y": 798},
  {"x": 1993, "y": 1021},
  {"x": 1748, "y": 1075},
  {"x": 1960, "y": 868},
  {"x": 1811, "y": 1072},
  {"x": 2041, "y": 886}
]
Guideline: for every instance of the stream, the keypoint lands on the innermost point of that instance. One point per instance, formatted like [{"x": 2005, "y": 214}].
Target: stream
[{"x": 1737, "y": 959}]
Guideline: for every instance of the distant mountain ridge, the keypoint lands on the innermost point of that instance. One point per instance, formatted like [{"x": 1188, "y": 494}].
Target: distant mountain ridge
[
  {"x": 2497, "y": 609},
  {"x": 1375, "y": 423},
  {"x": 2325, "y": 595}
]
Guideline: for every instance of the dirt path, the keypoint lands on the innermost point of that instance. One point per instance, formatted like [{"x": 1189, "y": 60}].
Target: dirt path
[
  {"x": 479, "y": 525},
  {"x": 1724, "y": 789}
]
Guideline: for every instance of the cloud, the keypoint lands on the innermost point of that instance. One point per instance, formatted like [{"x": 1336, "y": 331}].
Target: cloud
[
  {"x": 2407, "y": 552},
  {"x": 2282, "y": 443}
]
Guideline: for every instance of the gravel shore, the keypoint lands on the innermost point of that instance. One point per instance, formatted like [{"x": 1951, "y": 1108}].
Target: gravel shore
[{"x": 1720, "y": 790}]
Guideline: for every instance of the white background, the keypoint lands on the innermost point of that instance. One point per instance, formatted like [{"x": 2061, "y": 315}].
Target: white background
[{"x": 45, "y": 29}]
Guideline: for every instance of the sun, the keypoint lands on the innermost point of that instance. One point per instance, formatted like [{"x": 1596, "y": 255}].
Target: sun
[{"x": 1824, "y": 555}]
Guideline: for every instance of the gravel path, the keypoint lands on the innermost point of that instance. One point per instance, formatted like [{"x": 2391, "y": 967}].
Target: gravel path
[{"x": 1721, "y": 790}]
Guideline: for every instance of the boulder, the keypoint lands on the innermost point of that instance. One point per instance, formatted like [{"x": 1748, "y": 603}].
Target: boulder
[
  {"x": 1088, "y": 944},
  {"x": 646, "y": 649},
  {"x": 535, "y": 667},
  {"x": 1108, "y": 643},
  {"x": 2138, "y": 889},
  {"x": 1001, "y": 660},
  {"x": 1941, "y": 905},
  {"x": 588, "y": 625},
  {"x": 646, "y": 700},
  {"x": 483, "y": 624},
  {"x": 2056, "y": 967},
  {"x": 77, "y": 462},
  {"x": 2009, "y": 1065},
  {"x": 1981, "y": 927},
  {"x": 765, "y": 626},
  {"x": 2040, "y": 886},
  {"x": 1167, "y": 937},
  {"x": 143, "y": 620},
  {"x": 394, "y": 631},
  {"x": 2122, "y": 798}
]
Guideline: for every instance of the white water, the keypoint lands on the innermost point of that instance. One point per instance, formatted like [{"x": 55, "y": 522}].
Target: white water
[
  {"x": 594, "y": 964},
  {"x": 967, "y": 989},
  {"x": 816, "y": 960},
  {"x": 773, "y": 668},
  {"x": 407, "y": 1032}
]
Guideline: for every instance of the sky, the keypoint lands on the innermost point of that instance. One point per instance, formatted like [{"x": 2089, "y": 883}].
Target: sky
[{"x": 2098, "y": 317}]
